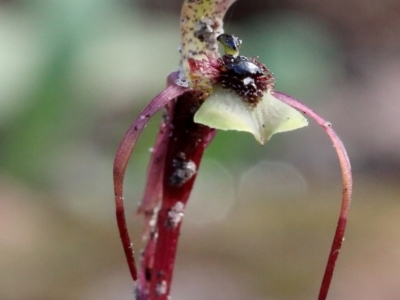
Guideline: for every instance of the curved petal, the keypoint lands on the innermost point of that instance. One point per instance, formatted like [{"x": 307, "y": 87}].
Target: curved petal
[
  {"x": 226, "y": 110},
  {"x": 121, "y": 162},
  {"x": 153, "y": 189},
  {"x": 347, "y": 183}
]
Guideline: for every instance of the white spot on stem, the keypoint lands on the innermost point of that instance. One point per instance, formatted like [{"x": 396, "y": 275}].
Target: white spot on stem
[
  {"x": 161, "y": 288},
  {"x": 175, "y": 215}
]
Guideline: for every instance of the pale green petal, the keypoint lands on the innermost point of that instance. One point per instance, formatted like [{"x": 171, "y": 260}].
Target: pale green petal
[{"x": 225, "y": 110}]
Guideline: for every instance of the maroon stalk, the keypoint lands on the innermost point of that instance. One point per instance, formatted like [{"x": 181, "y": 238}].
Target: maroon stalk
[
  {"x": 186, "y": 145},
  {"x": 121, "y": 162}
]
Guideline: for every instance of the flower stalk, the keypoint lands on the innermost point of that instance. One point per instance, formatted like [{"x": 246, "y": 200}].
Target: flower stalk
[
  {"x": 210, "y": 91},
  {"x": 121, "y": 162},
  {"x": 187, "y": 141}
]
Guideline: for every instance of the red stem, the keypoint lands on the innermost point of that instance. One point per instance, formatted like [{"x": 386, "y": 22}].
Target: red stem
[
  {"x": 121, "y": 162},
  {"x": 185, "y": 150},
  {"x": 347, "y": 183}
]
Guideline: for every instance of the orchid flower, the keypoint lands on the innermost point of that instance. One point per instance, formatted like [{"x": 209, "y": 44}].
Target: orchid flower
[{"x": 209, "y": 91}]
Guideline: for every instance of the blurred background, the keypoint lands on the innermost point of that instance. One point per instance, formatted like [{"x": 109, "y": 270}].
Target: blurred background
[{"x": 75, "y": 74}]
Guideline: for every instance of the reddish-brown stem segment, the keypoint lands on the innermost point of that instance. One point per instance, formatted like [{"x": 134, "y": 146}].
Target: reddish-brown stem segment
[
  {"x": 347, "y": 189},
  {"x": 185, "y": 150},
  {"x": 121, "y": 162}
]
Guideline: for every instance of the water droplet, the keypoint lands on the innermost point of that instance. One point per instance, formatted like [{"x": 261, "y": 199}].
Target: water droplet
[{"x": 182, "y": 82}]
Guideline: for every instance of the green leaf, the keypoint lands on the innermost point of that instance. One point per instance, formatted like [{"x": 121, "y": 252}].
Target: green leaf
[{"x": 226, "y": 110}]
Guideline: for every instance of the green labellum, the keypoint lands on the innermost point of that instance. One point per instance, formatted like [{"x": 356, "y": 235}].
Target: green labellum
[{"x": 226, "y": 110}]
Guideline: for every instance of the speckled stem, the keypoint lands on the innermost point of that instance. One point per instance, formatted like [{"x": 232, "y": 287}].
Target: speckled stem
[
  {"x": 184, "y": 142},
  {"x": 121, "y": 162},
  {"x": 346, "y": 193},
  {"x": 201, "y": 23},
  {"x": 186, "y": 146}
]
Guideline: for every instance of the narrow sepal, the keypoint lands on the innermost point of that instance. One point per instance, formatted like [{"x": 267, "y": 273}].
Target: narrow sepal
[
  {"x": 122, "y": 159},
  {"x": 347, "y": 183}
]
